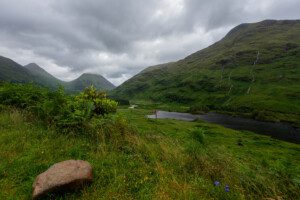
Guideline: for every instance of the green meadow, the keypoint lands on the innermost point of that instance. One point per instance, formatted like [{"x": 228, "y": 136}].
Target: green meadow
[{"x": 138, "y": 158}]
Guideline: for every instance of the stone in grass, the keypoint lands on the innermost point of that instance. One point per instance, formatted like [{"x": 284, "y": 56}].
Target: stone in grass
[{"x": 63, "y": 176}]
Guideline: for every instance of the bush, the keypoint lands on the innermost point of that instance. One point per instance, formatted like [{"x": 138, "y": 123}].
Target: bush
[
  {"x": 21, "y": 96},
  {"x": 102, "y": 105},
  {"x": 52, "y": 107},
  {"x": 55, "y": 108}
]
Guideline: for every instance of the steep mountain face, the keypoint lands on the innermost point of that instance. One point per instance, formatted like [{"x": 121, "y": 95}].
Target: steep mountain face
[
  {"x": 11, "y": 71},
  {"x": 86, "y": 80},
  {"x": 255, "y": 67}
]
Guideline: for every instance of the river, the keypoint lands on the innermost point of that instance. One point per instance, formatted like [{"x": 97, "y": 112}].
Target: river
[{"x": 282, "y": 131}]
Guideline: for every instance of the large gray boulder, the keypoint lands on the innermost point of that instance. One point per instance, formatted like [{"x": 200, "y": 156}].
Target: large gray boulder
[{"x": 66, "y": 175}]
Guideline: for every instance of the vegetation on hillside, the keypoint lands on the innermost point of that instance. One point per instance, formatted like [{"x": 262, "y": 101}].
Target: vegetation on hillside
[
  {"x": 253, "y": 70},
  {"x": 134, "y": 157}
]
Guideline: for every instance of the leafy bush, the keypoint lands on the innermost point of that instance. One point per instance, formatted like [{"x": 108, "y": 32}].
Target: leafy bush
[
  {"x": 102, "y": 105},
  {"x": 52, "y": 107},
  {"x": 21, "y": 96}
]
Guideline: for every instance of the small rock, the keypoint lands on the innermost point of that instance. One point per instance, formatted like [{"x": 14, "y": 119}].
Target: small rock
[{"x": 66, "y": 175}]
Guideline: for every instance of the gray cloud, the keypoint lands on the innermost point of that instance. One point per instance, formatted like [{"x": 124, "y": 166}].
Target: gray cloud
[{"x": 118, "y": 38}]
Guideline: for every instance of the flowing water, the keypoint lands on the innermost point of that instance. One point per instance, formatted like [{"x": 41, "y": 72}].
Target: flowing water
[{"x": 282, "y": 131}]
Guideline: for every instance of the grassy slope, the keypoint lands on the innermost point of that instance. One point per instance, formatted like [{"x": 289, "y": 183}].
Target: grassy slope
[
  {"x": 159, "y": 160},
  {"x": 198, "y": 79}
]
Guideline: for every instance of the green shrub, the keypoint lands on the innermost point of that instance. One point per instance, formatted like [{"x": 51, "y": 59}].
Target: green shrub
[
  {"x": 102, "y": 105},
  {"x": 75, "y": 116},
  {"x": 21, "y": 96},
  {"x": 55, "y": 108},
  {"x": 52, "y": 107}
]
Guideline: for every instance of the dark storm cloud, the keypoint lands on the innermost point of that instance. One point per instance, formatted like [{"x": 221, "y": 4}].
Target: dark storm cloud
[{"x": 118, "y": 38}]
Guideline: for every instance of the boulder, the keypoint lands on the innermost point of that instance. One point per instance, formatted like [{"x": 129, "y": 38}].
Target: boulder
[{"x": 63, "y": 176}]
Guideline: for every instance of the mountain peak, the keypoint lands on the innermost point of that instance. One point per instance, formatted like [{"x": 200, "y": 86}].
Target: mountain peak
[
  {"x": 35, "y": 68},
  {"x": 32, "y": 65},
  {"x": 259, "y": 26},
  {"x": 13, "y": 72},
  {"x": 87, "y": 79},
  {"x": 90, "y": 75}
]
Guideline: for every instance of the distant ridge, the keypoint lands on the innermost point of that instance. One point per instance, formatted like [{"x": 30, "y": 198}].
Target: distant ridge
[{"x": 11, "y": 71}]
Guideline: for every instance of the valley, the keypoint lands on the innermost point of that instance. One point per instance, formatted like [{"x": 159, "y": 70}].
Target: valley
[
  {"x": 222, "y": 123},
  {"x": 253, "y": 71}
]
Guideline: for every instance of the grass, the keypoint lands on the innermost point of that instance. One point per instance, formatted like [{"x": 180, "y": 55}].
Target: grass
[{"x": 139, "y": 158}]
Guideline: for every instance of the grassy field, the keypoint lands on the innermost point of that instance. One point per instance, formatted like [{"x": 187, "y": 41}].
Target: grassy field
[{"x": 138, "y": 158}]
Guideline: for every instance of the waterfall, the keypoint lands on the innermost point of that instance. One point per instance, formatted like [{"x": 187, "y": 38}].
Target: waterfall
[{"x": 252, "y": 72}]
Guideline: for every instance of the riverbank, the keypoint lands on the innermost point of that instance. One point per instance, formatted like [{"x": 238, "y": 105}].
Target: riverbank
[
  {"x": 267, "y": 116},
  {"x": 261, "y": 115}
]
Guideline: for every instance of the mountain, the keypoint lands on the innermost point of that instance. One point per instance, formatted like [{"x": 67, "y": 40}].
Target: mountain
[
  {"x": 254, "y": 69},
  {"x": 43, "y": 77},
  {"x": 11, "y": 71},
  {"x": 86, "y": 80}
]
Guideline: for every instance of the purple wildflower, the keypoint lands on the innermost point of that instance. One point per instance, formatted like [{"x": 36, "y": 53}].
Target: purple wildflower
[
  {"x": 226, "y": 188},
  {"x": 216, "y": 183}
]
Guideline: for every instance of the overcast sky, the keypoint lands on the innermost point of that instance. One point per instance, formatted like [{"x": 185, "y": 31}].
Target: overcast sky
[{"x": 119, "y": 38}]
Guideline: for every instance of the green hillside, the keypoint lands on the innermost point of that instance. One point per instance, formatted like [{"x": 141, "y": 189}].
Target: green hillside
[
  {"x": 254, "y": 69},
  {"x": 11, "y": 71}
]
